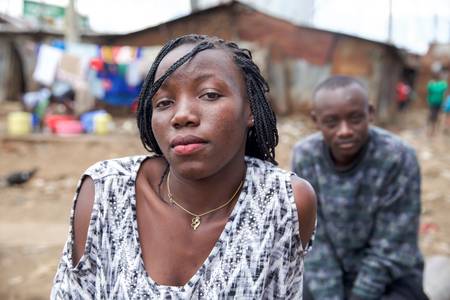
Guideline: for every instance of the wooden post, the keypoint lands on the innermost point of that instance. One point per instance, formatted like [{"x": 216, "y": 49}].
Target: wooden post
[{"x": 72, "y": 33}]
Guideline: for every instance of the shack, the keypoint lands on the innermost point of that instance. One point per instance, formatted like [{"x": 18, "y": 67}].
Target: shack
[
  {"x": 18, "y": 41},
  {"x": 12, "y": 80},
  {"x": 294, "y": 58}
]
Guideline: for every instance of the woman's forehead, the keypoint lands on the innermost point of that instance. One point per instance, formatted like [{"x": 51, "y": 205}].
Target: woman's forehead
[{"x": 214, "y": 60}]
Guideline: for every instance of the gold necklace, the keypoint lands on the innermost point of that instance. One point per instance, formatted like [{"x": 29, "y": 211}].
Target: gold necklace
[{"x": 195, "y": 222}]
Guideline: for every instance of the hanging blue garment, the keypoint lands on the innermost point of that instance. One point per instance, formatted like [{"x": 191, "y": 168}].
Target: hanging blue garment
[{"x": 117, "y": 91}]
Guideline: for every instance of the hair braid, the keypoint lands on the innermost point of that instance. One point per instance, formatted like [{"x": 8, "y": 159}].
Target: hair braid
[{"x": 263, "y": 141}]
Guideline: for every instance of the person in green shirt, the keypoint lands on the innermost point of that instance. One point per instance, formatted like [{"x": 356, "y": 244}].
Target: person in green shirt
[{"x": 436, "y": 89}]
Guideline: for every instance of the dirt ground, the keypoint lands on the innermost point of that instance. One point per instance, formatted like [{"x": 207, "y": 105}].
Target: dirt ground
[{"x": 34, "y": 216}]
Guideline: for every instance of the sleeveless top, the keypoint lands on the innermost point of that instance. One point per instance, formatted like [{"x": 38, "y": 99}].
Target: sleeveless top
[{"x": 257, "y": 256}]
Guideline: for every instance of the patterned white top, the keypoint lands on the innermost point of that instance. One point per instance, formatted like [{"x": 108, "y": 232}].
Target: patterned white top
[{"x": 257, "y": 256}]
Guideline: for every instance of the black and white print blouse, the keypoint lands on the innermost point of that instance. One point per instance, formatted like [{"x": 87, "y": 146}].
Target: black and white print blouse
[{"x": 257, "y": 256}]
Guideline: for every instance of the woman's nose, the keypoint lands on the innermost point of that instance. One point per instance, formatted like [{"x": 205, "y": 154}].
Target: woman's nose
[{"x": 185, "y": 114}]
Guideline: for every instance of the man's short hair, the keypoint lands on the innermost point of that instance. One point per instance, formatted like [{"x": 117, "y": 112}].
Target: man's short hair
[{"x": 336, "y": 82}]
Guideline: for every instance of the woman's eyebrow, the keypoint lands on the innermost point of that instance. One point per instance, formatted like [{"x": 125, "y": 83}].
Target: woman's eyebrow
[
  {"x": 197, "y": 79},
  {"x": 223, "y": 81},
  {"x": 204, "y": 77}
]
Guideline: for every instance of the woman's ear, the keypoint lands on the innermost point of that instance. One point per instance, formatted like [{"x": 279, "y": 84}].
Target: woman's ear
[{"x": 250, "y": 121}]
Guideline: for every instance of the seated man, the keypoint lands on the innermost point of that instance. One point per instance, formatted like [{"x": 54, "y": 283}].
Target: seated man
[{"x": 368, "y": 186}]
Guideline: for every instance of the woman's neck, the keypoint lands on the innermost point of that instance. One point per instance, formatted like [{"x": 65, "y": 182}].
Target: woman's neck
[{"x": 201, "y": 195}]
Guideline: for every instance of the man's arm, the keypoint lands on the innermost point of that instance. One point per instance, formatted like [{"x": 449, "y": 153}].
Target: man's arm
[
  {"x": 322, "y": 272},
  {"x": 393, "y": 250}
]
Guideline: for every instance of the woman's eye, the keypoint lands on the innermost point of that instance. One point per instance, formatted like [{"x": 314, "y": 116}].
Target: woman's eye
[
  {"x": 163, "y": 103},
  {"x": 210, "y": 96}
]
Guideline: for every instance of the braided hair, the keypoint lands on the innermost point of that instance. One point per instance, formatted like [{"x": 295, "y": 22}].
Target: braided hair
[{"x": 262, "y": 137}]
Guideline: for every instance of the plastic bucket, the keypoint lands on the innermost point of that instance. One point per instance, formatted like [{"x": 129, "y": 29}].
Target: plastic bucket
[
  {"x": 87, "y": 120},
  {"x": 102, "y": 123},
  {"x": 19, "y": 123},
  {"x": 68, "y": 127},
  {"x": 52, "y": 120}
]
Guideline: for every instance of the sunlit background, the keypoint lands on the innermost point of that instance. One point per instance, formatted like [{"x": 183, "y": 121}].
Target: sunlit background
[
  {"x": 414, "y": 23},
  {"x": 297, "y": 43}
]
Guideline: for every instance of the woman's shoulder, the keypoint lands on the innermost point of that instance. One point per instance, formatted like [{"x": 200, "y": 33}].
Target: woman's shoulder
[
  {"x": 269, "y": 182},
  {"x": 281, "y": 191},
  {"x": 124, "y": 166},
  {"x": 261, "y": 167}
]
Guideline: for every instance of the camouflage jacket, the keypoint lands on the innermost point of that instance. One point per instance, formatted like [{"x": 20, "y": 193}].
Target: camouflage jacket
[{"x": 368, "y": 217}]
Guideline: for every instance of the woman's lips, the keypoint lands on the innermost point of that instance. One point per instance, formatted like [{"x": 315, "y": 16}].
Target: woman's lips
[
  {"x": 184, "y": 145},
  {"x": 188, "y": 149}
]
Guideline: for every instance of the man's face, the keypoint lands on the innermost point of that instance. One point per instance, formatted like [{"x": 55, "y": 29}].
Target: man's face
[{"x": 343, "y": 116}]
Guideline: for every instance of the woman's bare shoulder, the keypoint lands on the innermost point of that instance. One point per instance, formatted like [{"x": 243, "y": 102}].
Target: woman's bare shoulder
[
  {"x": 148, "y": 172},
  {"x": 82, "y": 216},
  {"x": 305, "y": 200}
]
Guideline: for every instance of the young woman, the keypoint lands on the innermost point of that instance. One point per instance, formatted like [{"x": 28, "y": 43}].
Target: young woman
[{"x": 207, "y": 215}]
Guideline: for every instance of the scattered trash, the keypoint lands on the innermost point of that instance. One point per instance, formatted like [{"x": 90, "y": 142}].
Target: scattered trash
[
  {"x": 437, "y": 277},
  {"x": 18, "y": 178},
  {"x": 432, "y": 196},
  {"x": 15, "y": 280},
  {"x": 425, "y": 154},
  {"x": 427, "y": 228},
  {"x": 129, "y": 126}
]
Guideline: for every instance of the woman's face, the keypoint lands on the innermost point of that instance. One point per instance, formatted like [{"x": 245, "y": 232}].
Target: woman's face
[{"x": 201, "y": 113}]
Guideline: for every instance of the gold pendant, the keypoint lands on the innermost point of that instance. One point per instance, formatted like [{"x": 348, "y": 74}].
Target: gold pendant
[{"x": 195, "y": 222}]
